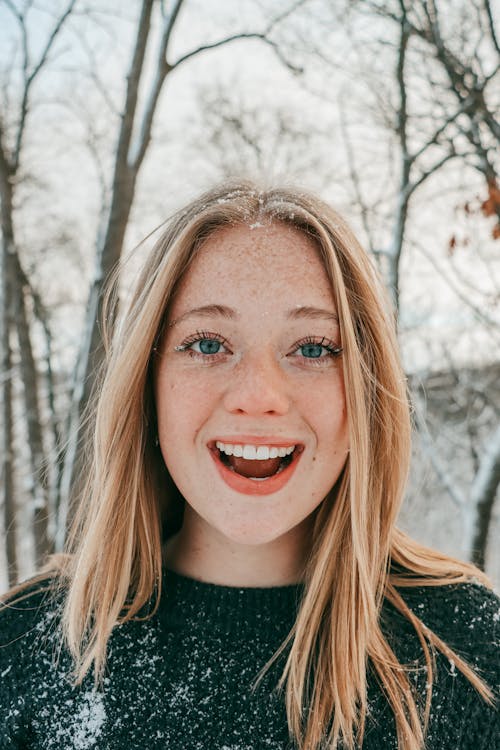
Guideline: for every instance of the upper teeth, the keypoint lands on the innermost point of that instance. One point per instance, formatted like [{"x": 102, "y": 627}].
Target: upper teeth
[{"x": 254, "y": 452}]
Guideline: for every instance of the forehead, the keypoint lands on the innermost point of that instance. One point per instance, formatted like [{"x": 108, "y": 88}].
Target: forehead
[{"x": 256, "y": 264}]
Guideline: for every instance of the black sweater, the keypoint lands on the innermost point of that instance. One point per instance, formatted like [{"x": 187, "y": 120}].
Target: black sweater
[{"x": 183, "y": 678}]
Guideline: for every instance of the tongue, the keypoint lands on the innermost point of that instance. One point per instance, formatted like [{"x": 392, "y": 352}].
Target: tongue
[{"x": 248, "y": 468}]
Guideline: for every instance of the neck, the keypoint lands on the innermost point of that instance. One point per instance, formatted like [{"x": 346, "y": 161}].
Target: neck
[{"x": 204, "y": 554}]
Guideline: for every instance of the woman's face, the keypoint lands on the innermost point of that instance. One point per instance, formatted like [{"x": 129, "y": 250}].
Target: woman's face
[{"x": 250, "y": 370}]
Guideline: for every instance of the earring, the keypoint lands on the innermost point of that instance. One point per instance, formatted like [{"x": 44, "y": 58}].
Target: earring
[{"x": 156, "y": 441}]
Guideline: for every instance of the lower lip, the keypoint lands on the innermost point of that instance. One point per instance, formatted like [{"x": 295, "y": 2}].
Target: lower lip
[{"x": 247, "y": 486}]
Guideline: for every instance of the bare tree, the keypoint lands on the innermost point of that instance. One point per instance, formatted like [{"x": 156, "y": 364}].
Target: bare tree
[
  {"x": 463, "y": 52},
  {"x": 457, "y": 79},
  {"x": 468, "y": 80},
  {"x": 16, "y": 297},
  {"x": 267, "y": 140}
]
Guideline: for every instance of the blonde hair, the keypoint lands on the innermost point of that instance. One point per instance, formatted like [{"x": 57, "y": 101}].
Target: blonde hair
[{"x": 114, "y": 561}]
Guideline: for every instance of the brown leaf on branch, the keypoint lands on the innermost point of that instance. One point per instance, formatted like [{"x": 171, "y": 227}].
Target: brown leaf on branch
[{"x": 491, "y": 205}]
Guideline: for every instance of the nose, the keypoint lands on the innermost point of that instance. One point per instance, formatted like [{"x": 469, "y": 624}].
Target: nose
[{"x": 258, "y": 386}]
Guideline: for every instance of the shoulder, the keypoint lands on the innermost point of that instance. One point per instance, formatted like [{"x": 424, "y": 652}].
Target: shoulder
[
  {"x": 465, "y": 615},
  {"x": 28, "y": 618},
  {"x": 26, "y": 607},
  {"x": 466, "y": 618},
  {"x": 28, "y": 642}
]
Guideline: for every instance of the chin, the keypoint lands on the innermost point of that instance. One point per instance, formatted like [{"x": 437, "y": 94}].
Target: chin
[{"x": 252, "y": 536}]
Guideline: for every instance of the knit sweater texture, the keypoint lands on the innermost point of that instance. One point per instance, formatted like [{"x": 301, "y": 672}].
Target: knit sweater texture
[{"x": 182, "y": 680}]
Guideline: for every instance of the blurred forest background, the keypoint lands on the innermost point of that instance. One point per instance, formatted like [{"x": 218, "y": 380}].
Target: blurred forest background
[{"x": 114, "y": 114}]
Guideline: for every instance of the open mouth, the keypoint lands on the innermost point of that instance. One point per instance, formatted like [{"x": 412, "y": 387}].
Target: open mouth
[{"x": 255, "y": 462}]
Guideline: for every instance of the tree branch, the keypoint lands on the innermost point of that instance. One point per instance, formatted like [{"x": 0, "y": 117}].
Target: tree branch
[
  {"x": 172, "y": 18},
  {"x": 491, "y": 25},
  {"x": 232, "y": 38},
  {"x": 465, "y": 298},
  {"x": 29, "y": 79},
  {"x": 286, "y": 13},
  {"x": 138, "y": 150},
  {"x": 439, "y": 132},
  {"x": 427, "y": 173}
]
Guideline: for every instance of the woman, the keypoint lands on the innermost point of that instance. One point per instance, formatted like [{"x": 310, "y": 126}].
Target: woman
[{"x": 234, "y": 578}]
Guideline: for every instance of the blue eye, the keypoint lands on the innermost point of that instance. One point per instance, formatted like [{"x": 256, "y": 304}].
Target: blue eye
[
  {"x": 208, "y": 346},
  {"x": 312, "y": 351},
  {"x": 321, "y": 351},
  {"x": 204, "y": 346}
]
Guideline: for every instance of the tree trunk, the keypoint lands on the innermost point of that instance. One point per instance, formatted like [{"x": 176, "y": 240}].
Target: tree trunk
[
  {"x": 91, "y": 354},
  {"x": 39, "y": 483},
  {"x": 7, "y": 468},
  {"x": 16, "y": 321},
  {"x": 484, "y": 491},
  {"x": 398, "y": 232},
  {"x": 6, "y": 457},
  {"x": 123, "y": 196}
]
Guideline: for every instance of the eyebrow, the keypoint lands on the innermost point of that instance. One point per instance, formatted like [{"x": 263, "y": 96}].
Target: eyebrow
[
  {"x": 222, "y": 311},
  {"x": 312, "y": 313},
  {"x": 207, "y": 311}
]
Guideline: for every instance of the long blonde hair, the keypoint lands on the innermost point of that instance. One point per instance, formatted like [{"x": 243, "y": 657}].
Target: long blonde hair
[{"x": 114, "y": 560}]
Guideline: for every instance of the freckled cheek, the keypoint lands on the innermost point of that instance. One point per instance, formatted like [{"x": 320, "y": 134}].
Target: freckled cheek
[
  {"x": 182, "y": 404},
  {"x": 324, "y": 409},
  {"x": 321, "y": 398}
]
